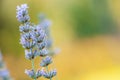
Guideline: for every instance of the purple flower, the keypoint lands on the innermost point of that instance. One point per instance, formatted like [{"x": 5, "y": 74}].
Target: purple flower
[
  {"x": 30, "y": 54},
  {"x": 49, "y": 74},
  {"x": 36, "y": 40},
  {"x": 39, "y": 73},
  {"x": 39, "y": 34},
  {"x": 30, "y": 73},
  {"x": 46, "y": 61},
  {"x": 27, "y": 40},
  {"x": 25, "y": 28},
  {"x": 42, "y": 52},
  {"x": 41, "y": 45},
  {"x": 22, "y": 13}
]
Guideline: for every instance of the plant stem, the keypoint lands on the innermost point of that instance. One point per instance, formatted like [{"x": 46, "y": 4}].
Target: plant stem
[
  {"x": 48, "y": 71},
  {"x": 56, "y": 75},
  {"x": 33, "y": 67}
]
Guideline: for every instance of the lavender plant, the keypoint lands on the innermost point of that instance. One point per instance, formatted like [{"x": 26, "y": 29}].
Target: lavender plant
[
  {"x": 34, "y": 40},
  {"x": 4, "y": 73}
]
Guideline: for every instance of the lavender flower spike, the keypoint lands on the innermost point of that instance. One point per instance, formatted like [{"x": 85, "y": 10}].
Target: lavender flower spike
[
  {"x": 35, "y": 40},
  {"x": 4, "y": 73},
  {"x": 22, "y": 13}
]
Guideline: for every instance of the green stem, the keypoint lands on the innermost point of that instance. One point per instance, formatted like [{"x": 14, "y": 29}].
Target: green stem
[
  {"x": 33, "y": 67},
  {"x": 48, "y": 71},
  {"x": 56, "y": 77}
]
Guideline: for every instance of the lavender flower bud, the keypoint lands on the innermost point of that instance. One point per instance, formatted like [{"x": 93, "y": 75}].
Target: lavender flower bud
[
  {"x": 30, "y": 55},
  {"x": 43, "y": 52},
  {"x": 41, "y": 45},
  {"x": 25, "y": 28},
  {"x": 49, "y": 74},
  {"x": 39, "y": 34},
  {"x": 39, "y": 73},
  {"x": 41, "y": 38},
  {"x": 22, "y": 13},
  {"x": 27, "y": 41},
  {"x": 30, "y": 73},
  {"x": 45, "y": 23},
  {"x": 28, "y": 36},
  {"x": 46, "y": 61},
  {"x": 38, "y": 28}
]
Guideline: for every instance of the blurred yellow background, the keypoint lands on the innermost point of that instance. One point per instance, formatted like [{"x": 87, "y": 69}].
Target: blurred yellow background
[{"x": 86, "y": 31}]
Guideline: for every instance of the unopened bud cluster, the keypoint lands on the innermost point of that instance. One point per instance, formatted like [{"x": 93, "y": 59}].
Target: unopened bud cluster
[{"x": 34, "y": 41}]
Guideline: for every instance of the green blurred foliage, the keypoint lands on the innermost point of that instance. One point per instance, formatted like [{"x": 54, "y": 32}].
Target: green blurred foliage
[{"x": 92, "y": 17}]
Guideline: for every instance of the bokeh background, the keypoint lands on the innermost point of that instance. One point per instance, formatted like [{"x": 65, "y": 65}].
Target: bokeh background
[{"x": 86, "y": 31}]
